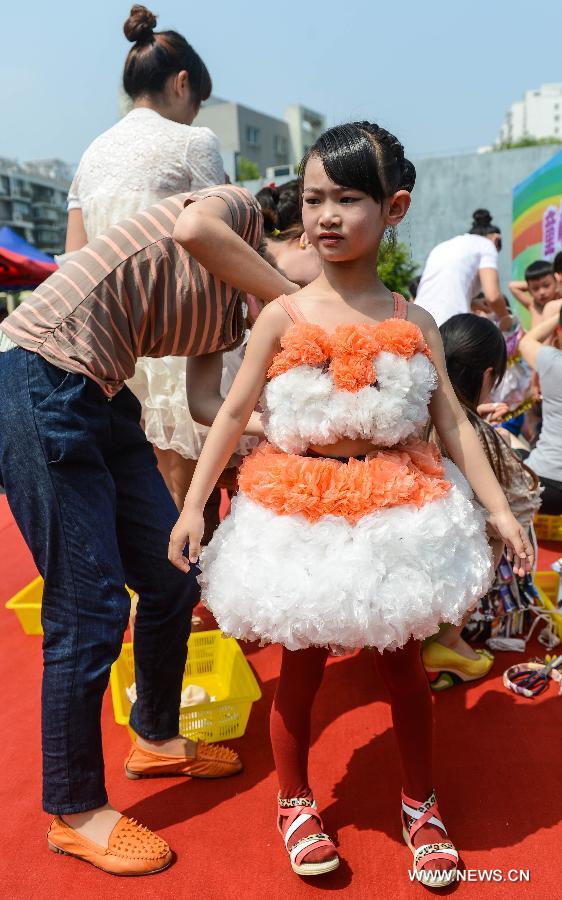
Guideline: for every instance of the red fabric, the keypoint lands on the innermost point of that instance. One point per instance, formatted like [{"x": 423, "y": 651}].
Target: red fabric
[
  {"x": 17, "y": 270},
  {"x": 496, "y": 756}
]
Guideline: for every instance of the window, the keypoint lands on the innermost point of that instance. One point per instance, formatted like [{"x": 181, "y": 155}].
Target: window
[
  {"x": 20, "y": 211},
  {"x": 252, "y": 135},
  {"x": 280, "y": 145}
]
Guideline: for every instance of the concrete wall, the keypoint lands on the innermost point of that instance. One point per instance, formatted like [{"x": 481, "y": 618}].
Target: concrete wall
[
  {"x": 222, "y": 118},
  {"x": 264, "y": 153},
  {"x": 449, "y": 189},
  {"x": 230, "y": 121}
]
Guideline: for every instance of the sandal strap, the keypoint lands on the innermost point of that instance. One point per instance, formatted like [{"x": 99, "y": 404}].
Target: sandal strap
[
  {"x": 296, "y": 823},
  {"x": 295, "y": 811},
  {"x": 441, "y": 850},
  {"x": 291, "y": 802},
  {"x": 313, "y": 841},
  {"x": 421, "y": 813}
]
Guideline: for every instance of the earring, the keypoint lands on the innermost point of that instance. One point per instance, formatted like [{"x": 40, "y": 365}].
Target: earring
[{"x": 303, "y": 243}]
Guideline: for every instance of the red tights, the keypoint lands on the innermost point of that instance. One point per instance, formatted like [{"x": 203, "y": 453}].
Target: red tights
[{"x": 410, "y": 699}]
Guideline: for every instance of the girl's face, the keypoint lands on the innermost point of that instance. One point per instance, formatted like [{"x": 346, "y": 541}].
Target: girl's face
[{"x": 345, "y": 224}]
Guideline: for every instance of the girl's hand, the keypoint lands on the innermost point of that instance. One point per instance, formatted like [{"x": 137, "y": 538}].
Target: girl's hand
[
  {"x": 519, "y": 550},
  {"x": 188, "y": 530}
]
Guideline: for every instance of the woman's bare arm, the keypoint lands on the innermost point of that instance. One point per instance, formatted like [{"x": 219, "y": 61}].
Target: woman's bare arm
[
  {"x": 490, "y": 282},
  {"x": 203, "y": 382},
  {"x": 205, "y": 230},
  {"x": 76, "y": 236}
]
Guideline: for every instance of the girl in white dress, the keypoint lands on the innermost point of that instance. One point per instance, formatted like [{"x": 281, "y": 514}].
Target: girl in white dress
[
  {"x": 152, "y": 153},
  {"x": 349, "y": 530}
]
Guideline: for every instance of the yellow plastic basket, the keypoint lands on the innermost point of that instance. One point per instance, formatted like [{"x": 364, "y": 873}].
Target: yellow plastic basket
[
  {"x": 27, "y": 606},
  {"x": 214, "y": 663},
  {"x": 548, "y": 528},
  {"x": 547, "y": 586}
]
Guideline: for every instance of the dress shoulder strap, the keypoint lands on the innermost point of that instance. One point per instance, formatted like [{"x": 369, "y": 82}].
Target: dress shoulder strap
[
  {"x": 290, "y": 308},
  {"x": 400, "y": 306}
]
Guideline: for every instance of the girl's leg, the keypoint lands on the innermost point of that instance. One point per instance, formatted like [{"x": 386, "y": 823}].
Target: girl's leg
[
  {"x": 450, "y": 635},
  {"x": 412, "y": 715},
  {"x": 177, "y": 472},
  {"x": 299, "y": 680}
]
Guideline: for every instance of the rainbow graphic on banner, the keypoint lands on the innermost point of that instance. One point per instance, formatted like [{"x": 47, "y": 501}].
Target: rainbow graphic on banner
[{"x": 537, "y": 216}]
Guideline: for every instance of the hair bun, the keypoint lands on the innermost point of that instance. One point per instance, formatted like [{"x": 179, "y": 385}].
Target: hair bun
[
  {"x": 139, "y": 27},
  {"x": 481, "y": 218}
]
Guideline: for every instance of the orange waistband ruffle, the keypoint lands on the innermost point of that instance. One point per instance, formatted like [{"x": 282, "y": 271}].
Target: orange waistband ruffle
[{"x": 316, "y": 487}]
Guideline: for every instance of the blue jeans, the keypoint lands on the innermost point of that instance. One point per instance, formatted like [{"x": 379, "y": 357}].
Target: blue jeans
[{"x": 82, "y": 483}]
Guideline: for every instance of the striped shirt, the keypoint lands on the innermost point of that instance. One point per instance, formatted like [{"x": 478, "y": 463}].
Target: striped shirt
[{"x": 134, "y": 291}]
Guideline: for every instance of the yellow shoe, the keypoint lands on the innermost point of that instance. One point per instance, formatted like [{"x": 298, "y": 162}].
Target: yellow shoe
[{"x": 446, "y": 667}]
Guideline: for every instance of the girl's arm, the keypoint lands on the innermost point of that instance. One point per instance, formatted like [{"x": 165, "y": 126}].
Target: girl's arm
[
  {"x": 530, "y": 343},
  {"x": 205, "y": 230},
  {"x": 222, "y": 440},
  {"x": 464, "y": 448},
  {"x": 203, "y": 382}
]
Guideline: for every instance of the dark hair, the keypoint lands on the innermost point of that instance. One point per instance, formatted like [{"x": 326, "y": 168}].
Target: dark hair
[
  {"x": 157, "y": 55},
  {"x": 268, "y": 198},
  {"x": 557, "y": 263},
  {"x": 538, "y": 269},
  {"x": 482, "y": 223},
  {"x": 282, "y": 209},
  {"x": 473, "y": 344},
  {"x": 363, "y": 156}
]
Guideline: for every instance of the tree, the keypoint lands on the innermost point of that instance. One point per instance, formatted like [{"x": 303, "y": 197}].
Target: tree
[
  {"x": 246, "y": 170},
  {"x": 395, "y": 266},
  {"x": 526, "y": 141}
]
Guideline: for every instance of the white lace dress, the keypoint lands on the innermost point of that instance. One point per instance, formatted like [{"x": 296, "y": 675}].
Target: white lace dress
[{"x": 140, "y": 160}]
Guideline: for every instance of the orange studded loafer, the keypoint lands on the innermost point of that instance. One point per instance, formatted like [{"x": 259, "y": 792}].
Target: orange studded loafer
[
  {"x": 131, "y": 849},
  {"x": 210, "y": 761}
]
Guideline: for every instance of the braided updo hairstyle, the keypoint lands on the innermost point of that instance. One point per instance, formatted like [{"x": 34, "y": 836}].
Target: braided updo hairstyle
[{"x": 363, "y": 156}]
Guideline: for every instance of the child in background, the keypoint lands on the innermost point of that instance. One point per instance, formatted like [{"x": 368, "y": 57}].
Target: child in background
[
  {"x": 540, "y": 286},
  {"x": 284, "y": 232},
  {"x": 476, "y": 358}
]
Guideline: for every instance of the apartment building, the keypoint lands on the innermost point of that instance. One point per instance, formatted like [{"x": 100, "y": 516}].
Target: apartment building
[
  {"x": 267, "y": 141},
  {"x": 537, "y": 115},
  {"x": 33, "y": 201}
]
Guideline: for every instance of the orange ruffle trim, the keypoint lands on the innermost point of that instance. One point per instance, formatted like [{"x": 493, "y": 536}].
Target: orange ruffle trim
[
  {"x": 349, "y": 351},
  {"x": 314, "y": 487}
]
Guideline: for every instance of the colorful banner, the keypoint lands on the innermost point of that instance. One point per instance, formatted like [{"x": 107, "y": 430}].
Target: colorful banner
[{"x": 537, "y": 217}]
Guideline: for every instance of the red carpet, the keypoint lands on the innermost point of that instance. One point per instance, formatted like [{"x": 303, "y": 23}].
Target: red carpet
[{"x": 497, "y": 758}]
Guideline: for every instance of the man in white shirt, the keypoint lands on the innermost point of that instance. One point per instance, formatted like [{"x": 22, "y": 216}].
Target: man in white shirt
[{"x": 458, "y": 269}]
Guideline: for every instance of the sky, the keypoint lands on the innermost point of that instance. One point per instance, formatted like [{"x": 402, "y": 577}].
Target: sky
[{"x": 440, "y": 75}]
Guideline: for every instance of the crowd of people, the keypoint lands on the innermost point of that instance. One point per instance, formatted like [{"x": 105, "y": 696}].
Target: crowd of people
[{"x": 195, "y": 335}]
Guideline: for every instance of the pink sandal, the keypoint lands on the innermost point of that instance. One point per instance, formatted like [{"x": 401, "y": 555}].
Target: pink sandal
[
  {"x": 291, "y": 816},
  {"x": 414, "y": 816}
]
